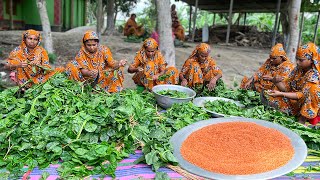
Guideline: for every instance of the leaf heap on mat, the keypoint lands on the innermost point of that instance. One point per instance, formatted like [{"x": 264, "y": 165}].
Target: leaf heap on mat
[{"x": 61, "y": 121}]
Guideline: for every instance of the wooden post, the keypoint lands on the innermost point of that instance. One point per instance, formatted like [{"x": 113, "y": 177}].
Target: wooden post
[
  {"x": 214, "y": 19},
  {"x": 301, "y": 27},
  {"x": 194, "y": 21},
  {"x": 245, "y": 19},
  {"x": 274, "y": 36},
  {"x": 11, "y": 13},
  {"x": 229, "y": 21},
  {"x": 190, "y": 14},
  {"x": 316, "y": 29}
]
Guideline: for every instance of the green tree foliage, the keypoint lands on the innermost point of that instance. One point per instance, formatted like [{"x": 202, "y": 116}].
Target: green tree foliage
[
  {"x": 124, "y": 6},
  {"x": 148, "y": 15}
]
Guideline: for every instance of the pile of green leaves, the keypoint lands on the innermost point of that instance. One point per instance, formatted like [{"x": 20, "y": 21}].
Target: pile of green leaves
[
  {"x": 90, "y": 133},
  {"x": 61, "y": 120},
  {"x": 173, "y": 93},
  {"x": 223, "y": 107},
  {"x": 246, "y": 97},
  {"x": 157, "y": 149}
]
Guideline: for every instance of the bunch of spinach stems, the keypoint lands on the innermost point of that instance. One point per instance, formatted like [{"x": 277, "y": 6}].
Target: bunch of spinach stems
[{"x": 88, "y": 131}]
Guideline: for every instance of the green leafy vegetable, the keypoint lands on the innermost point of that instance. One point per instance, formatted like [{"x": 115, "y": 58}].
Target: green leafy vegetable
[{"x": 173, "y": 93}]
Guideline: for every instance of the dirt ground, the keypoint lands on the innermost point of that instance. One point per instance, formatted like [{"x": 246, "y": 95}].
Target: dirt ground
[{"x": 235, "y": 62}]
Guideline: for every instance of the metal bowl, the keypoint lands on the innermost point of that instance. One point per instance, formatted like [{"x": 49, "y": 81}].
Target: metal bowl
[
  {"x": 200, "y": 101},
  {"x": 167, "y": 101}
]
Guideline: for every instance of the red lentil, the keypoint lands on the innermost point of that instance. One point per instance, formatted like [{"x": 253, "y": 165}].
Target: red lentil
[{"x": 237, "y": 148}]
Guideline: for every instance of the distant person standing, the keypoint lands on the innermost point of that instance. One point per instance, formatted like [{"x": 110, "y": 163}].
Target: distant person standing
[
  {"x": 131, "y": 27},
  {"x": 177, "y": 28},
  {"x": 174, "y": 15}
]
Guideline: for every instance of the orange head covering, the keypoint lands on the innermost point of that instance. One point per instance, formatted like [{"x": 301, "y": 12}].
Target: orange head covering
[
  {"x": 278, "y": 50},
  {"x": 311, "y": 52},
  {"x": 201, "y": 48},
  {"x": 28, "y": 33},
  {"x": 90, "y": 35},
  {"x": 150, "y": 42}
]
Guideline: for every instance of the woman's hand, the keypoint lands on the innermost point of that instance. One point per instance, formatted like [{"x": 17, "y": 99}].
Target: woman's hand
[
  {"x": 184, "y": 82},
  {"x": 122, "y": 62},
  {"x": 155, "y": 77},
  {"x": 94, "y": 73},
  {"x": 139, "y": 69},
  {"x": 21, "y": 65},
  {"x": 248, "y": 84},
  {"x": 212, "y": 84},
  {"x": 277, "y": 79},
  {"x": 267, "y": 78},
  {"x": 275, "y": 93},
  {"x": 34, "y": 63}
]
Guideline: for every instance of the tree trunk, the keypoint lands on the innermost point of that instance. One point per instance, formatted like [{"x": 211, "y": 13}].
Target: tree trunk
[
  {"x": 165, "y": 31},
  {"x": 285, "y": 28},
  {"x": 99, "y": 17},
  {"x": 294, "y": 12},
  {"x": 46, "y": 29},
  {"x": 110, "y": 18}
]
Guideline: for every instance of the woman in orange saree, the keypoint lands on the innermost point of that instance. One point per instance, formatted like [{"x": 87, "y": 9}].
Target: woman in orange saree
[
  {"x": 299, "y": 94},
  {"x": 94, "y": 63},
  {"x": 131, "y": 27},
  {"x": 200, "y": 68},
  {"x": 277, "y": 65},
  {"x": 178, "y": 30},
  {"x": 149, "y": 66},
  {"x": 29, "y": 61}
]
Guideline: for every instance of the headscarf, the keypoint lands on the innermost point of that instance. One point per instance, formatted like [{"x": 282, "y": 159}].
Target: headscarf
[
  {"x": 88, "y": 35},
  {"x": 34, "y": 54},
  {"x": 311, "y": 52},
  {"x": 278, "y": 51},
  {"x": 201, "y": 48},
  {"x": 151, "y": 43},
  {"x": 28, "y": 33}
]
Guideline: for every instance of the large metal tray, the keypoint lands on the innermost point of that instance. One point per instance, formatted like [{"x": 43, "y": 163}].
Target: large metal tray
[
  {"x": 298, "y": 144},
  {"x": 201, "y": 100}
]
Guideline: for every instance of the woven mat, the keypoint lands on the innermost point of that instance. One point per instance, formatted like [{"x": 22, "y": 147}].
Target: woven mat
[{"x": 128, "y": 170}]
